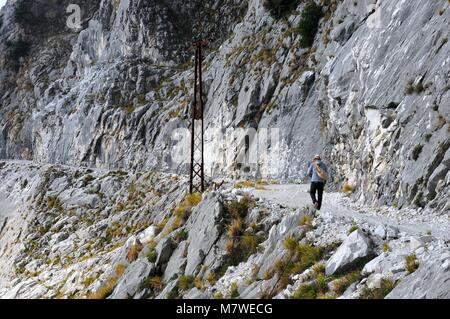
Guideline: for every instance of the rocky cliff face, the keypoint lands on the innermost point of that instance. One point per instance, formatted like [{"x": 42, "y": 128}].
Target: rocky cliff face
[{"x": 371, "y": 94}]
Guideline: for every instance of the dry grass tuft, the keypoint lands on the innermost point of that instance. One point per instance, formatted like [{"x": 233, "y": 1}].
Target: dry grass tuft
[
  {"x": 290, "y": 244},
  {"x": 183, "y": 211},
  {"x": 244, "y": 184},
  {"x": 387, "y": 285},
  {"x": 134, "y": 251},
  {"x": 307, "y": 222},
  {"x": 230, "y": 246},
  {"x": 411, "y": 263},
  {"x": 186, "y": 282},
  {"x": 105, "y": 290},
  {"x": 120, "y": 270},
  {"x": 236, "y": 228},
  {"x": 341, "y": 284},
  {"x": 348, "y": 188}
]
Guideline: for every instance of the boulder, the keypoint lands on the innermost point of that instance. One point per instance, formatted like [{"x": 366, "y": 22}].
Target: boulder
[
  {"x": 177, "y": 262},
  {"x": 388, "y": 264},
  {"x": 204, "y": 227},
  {"x": 257, "y": 289},
  {"x": 342, "y": 32},
  {"x": 374, "y": 281},
  {"x": 430, "y": 281},
  {"x": 164, "y": 251},
  {"x": 196, "y": 293},
  {"x": 381, "y": 232},
  {"x": 170, "y": 287},
  {"x": 392, "y": 232},
  {"x": 274, "y": 245},
  {"x": 355, "y": 249},
  {"x": 417, "y": 242},
  {"x": 147, "y": 235},
  {"x": 349, "y": 291},
  {"x": 129, "y": 284}
]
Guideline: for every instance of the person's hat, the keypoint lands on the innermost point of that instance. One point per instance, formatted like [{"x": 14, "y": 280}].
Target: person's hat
[{"x": 317, "y": 157}]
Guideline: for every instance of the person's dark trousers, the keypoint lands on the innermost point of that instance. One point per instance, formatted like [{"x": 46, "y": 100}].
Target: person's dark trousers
[{"x": 317, "y": 187}]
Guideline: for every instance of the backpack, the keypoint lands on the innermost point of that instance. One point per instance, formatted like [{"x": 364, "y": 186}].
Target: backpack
[{"x": 322, "y": 174}]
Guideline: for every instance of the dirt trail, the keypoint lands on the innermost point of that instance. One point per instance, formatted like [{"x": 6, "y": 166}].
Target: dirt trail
[{"x": 297, "y": 196}]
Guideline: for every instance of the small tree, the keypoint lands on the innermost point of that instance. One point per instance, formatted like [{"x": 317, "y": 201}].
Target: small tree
[
  {"x": 280, "y": 8},
  {"x": 309, "y": 23}
]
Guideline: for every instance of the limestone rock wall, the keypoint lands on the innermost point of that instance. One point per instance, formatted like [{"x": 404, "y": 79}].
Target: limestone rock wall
[{"x": 371, "y": 95}]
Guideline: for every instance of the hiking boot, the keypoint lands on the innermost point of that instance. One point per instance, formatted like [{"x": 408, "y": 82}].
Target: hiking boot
[{"x": 316, "y": 206}]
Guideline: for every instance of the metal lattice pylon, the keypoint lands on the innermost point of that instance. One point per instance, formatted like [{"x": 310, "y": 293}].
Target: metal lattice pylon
[{"x": 197, "y": 174}]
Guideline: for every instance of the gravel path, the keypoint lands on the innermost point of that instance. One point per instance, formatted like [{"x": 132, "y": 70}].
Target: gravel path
[{"x": 410, "y": 221}]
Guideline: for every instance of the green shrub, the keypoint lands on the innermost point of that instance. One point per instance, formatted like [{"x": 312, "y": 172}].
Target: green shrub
[
  {"x": 321, "y": 284},
  {"x": 239, "y": 209},
  {"x": 211, "y": 278},
  {"x": 341, "y": 284},
  {"x": 387, "y": 285},
  {"x": 319, "y": 269},
  {"x": 309, "y": 24},
  {"x": 244, "y": 184},
  {"x": 218, "y": 296},
  {"x": 250, "y": 242},
  {"x": 152, "y": 256},
  {"x": 234, "y": 293},
  {"x": 305, "y": 256},
  {"x": 416, "y": 152},
  {"x": 352, "y": 229},
  {"x": 182, "y": 235},
  {"x": 291, "y": 244},
  {"x": 39, "y": 19},
  {"x": 155, "y": 284},
  {"x": 308, "y": 291},
  {"x": 411, "y": 263},
  {"x": 53, "y": 202},
  {"x": 307, "y": 222},
  {"x": 280, "y": 8},
  {"x": 419, "y": 200},
  {"x": 308, "y": 255},
  {"x": 173, "y": 294},
  {"x": 186, "y": 282},
  {"x": 241, "y": 244},
  {"x": 16, "y": 51},
  {"x": 239, "y": 249}
]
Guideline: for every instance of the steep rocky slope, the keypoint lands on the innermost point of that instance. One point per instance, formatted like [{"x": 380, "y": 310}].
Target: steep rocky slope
[
  {"x": 371, "y": 94},
  {"x": 81, "y": 233}
]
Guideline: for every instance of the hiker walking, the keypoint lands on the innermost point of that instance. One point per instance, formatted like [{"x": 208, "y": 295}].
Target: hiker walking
[{"x": 318, "y": 172}]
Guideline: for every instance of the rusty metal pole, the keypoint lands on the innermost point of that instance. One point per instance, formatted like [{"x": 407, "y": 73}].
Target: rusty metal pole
[
  {"x": 197, "y": 174},
  {"x": 200, "y": 60},
  {"x": 193, "y": 115}
]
